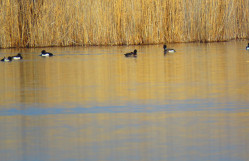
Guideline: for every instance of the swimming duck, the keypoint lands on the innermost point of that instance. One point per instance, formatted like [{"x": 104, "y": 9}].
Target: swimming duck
[
  {"x": 247, "y": 47},
  {"x": 46, "y": 54},
  {"x": 168, "y": 50},
  {"x": 134, "y": 53},
  {"x": 7, "y": 59},
  {"x": 17, "y": 57}
]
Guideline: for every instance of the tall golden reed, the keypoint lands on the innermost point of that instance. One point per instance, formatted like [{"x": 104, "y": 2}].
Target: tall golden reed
[{"x": 36, "y": 23}]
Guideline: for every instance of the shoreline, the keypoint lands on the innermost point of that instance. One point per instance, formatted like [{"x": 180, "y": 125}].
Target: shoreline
[{"x": 206, "y": 42}]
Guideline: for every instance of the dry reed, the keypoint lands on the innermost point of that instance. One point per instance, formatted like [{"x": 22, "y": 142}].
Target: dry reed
[{"x": 37, "y": 23}]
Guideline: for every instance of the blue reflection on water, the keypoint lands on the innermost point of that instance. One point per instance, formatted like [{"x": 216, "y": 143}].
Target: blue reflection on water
[{"x": 191, "y": 105}]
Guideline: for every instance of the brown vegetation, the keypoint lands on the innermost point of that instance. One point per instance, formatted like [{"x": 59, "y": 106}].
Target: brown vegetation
[{"x": 36, "y": 23}]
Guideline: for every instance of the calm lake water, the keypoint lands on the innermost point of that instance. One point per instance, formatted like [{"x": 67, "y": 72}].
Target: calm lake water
[{"x": 94, "y": 104}]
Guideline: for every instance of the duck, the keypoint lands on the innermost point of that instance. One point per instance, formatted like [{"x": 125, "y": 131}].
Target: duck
[
  {"x": 46, "y": 54},
  {"x": 168, "y": 50},
  {"x": 247, "y": 47},
  {"x": 17, "y": 57},
  {"x": 134, "y": 53},
  {"x": 7, "y": 59}
]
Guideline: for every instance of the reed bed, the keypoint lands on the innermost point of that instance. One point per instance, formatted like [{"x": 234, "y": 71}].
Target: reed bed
[{"x": 39, "y": 23}]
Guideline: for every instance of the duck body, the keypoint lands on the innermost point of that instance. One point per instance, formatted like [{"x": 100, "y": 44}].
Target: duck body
[
  {"x": 7, "y": 59},
  {"x": 247, "y": 47},
  {"x": 168, "y": 50},
  {"x": 46, "y": 54},
  {"x": 17, "y": 57},
  {"x": 128, "y": 54}
]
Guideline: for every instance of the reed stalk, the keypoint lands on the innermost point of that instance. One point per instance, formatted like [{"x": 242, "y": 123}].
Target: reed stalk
[{"x": 39, "y": 23}]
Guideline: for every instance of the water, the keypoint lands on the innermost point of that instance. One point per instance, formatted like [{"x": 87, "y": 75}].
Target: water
[{"x": 92, "y": 103}]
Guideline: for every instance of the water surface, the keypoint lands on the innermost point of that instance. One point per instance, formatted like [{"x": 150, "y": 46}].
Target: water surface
[{"x": 92, "y": 103}]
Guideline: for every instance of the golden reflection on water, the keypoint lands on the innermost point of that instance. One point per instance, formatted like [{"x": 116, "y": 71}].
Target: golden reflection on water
[
  {"x": 202, "y": 91},
  {"x": 196, "y": 71}
]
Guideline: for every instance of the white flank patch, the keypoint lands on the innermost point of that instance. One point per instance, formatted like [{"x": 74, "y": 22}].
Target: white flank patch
[
  {"x": 171, "y": 51},
  {"x": 16, "y": 58},
  {"x": 45, "y": 55}
]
